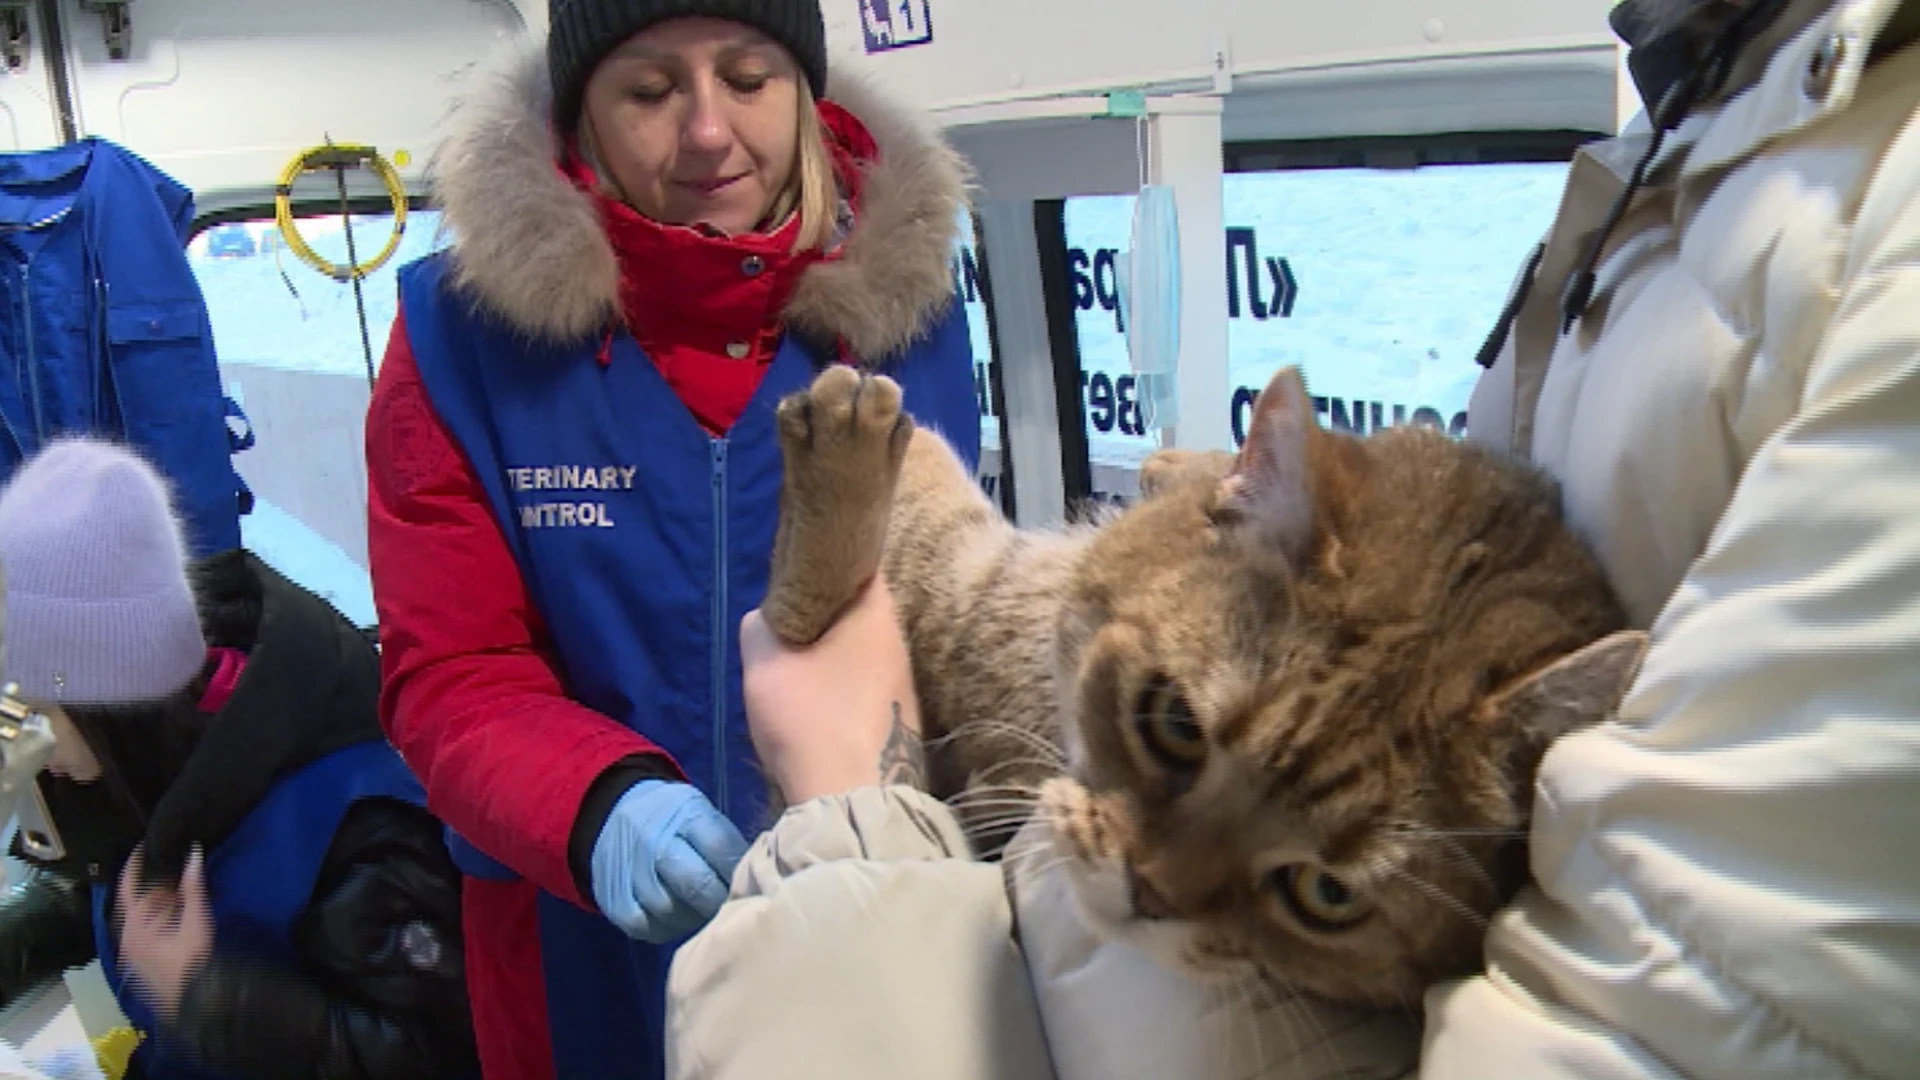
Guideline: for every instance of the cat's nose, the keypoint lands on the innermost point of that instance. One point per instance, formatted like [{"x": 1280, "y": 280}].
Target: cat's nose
[{"x": 1147, "y": 901}]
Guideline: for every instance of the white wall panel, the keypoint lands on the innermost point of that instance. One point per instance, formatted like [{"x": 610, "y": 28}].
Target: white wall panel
[
  {"x": 985, "y": 51},
  {"x": 29, "y": 119},
  {"x": 222, "y": 93}
]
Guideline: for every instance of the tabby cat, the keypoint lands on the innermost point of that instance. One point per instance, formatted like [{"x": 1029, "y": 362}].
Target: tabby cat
[{"x": 1282, "y": 715}]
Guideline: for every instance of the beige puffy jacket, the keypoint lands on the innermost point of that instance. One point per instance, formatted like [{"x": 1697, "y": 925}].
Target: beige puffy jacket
[
  {"x": 862, "y": 942},
  {"x": 1728, "y": 874}
]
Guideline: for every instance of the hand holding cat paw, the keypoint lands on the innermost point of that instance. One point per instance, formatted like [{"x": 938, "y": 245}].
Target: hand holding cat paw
[{"x": 839, "y": 714}]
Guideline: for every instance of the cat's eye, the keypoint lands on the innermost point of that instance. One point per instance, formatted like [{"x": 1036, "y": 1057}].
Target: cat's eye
[
  {"x": 1319, "y": 899},
  {"x": 1167, "y": 728}
]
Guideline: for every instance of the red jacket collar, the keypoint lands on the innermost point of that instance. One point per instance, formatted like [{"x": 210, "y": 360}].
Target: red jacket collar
[{"x": 688, "y": 287}]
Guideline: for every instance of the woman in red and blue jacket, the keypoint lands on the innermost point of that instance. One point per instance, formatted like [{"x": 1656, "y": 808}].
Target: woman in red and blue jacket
[{"x": 660, "y": 228}]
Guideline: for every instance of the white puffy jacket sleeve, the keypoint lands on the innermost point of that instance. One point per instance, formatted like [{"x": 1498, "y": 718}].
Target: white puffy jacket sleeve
[
  {"x": 859, "y": 941},
  {"x": 1728, "y": 884}
]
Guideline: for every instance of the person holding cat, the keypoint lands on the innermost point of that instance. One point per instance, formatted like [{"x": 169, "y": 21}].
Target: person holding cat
[
  {"x": 662, "y": 223},
  {"x": 1717, "y": 356}
]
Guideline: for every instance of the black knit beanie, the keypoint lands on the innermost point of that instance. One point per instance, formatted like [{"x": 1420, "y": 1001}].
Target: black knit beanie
[{"x": 582, "y": 32}]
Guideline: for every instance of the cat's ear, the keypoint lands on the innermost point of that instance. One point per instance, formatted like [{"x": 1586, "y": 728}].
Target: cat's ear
[
  {"x": 1577, "y": 690},
  {"x": 1281, "y": 490}
]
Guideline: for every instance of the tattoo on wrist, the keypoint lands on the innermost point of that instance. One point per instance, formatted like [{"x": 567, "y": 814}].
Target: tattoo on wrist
[{"x": 903, "y": 759}]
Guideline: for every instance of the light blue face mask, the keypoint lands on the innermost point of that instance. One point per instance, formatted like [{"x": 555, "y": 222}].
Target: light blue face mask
[{"x": 1149, "y": 280}]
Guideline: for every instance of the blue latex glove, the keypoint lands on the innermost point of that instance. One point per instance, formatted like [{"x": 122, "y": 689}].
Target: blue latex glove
[{"x": 664, "y": 861}]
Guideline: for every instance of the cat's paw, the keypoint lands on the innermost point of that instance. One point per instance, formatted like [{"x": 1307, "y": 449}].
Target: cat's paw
[
  {"x": 1171, "y": 465},
  {"x": 1085, "y": 853},
  {"x": 842, "y": 439},
  {"x": 848, "y": 425},
  {"x": 1076, "y": 821}
]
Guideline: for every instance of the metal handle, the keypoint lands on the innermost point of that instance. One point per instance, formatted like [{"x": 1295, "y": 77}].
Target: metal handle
[{"x": 26, "y": 745}]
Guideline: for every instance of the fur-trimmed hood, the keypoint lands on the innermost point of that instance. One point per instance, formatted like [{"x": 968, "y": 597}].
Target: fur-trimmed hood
[{"x": 530, "y": 248}]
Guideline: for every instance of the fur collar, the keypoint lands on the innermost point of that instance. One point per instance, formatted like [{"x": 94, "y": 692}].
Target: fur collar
[{"x": 529, "y": 248}]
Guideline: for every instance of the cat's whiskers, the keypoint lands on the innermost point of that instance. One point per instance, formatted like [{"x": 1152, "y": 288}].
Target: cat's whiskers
[
  {"x": 1434, "y": 892},
  {"x": 1254, "y": 1014},
  {"x": 1050, "y": 862},
  {"x": 1004, "y": 813},
  {"x": 1049, "y": 753},
  {"x": 977, "y": 828},
  {"x": 1041, "y": 849},
  {"x": 1051, "y": 768},
  {"x": 987, "y": 811},
  {"x": 993, "y": 820},
  {"x": 1299, "y": 1018},
  {"x": 1464, "y": 833},
  {"x": 1043, "y": 842},
  {"x": 1456, "y": 849},
  {"x": 1029, "y": 792},
  {"x": 997, "y": 805}
]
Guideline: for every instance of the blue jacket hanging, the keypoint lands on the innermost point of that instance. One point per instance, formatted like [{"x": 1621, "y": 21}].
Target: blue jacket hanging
[{"x": 103, "y": 328}]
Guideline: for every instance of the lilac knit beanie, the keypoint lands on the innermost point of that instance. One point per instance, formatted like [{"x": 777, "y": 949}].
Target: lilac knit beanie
[{"x": 98, "y": 607}]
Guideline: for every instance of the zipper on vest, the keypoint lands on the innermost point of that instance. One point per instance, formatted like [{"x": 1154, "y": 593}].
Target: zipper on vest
[
  {"x": 6, "y": 422},
  {"x": 719, "y": 689},
  {"x": 33, "y": 357}
]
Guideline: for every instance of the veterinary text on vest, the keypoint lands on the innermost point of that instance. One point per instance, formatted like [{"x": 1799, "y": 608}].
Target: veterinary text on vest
[
  {"x": 569, "y": 478},
  {"x": 573, "y": 478}
]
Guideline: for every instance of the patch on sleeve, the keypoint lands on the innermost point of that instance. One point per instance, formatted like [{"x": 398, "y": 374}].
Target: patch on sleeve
[{"x": 413, "y": 450}]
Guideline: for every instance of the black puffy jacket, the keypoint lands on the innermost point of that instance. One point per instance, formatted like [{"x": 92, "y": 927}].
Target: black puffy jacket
[{"x": 379, "y": 992}]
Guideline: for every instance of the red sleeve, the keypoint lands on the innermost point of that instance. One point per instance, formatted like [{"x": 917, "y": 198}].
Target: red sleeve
[{"x": 470, "y": 696}]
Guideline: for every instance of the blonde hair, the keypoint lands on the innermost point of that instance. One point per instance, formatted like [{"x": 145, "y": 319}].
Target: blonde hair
[{"x": 812, "y": 191}]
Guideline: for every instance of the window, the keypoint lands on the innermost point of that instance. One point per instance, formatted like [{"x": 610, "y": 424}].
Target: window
[
  {"x": 1380, "y": 284},
  {"x": 967, "y": 282},
  {"x": 292, "y": 356}
]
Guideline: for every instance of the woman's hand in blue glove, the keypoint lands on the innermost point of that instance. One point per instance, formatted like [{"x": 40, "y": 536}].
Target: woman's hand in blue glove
[{"x": 664, "y": 861}]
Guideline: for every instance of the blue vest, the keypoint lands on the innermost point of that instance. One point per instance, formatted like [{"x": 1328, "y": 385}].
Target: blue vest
[
  {"x": 643, "y": 540},
  {"x": 261, "y": 877}
]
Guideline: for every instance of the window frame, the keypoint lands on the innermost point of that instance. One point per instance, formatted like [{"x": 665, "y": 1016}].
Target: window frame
[
  {"x": 254, "y": 213},
  {"x": 1381, "y": 152}
]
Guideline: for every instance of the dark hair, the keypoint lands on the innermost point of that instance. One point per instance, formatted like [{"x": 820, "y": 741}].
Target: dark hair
[
  {"x": 141, "y": 750},
  {"x": 143, "y": 747}
]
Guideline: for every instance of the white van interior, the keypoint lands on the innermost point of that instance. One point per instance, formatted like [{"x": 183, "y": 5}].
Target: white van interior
[{"x": 1356, "y": 185}]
